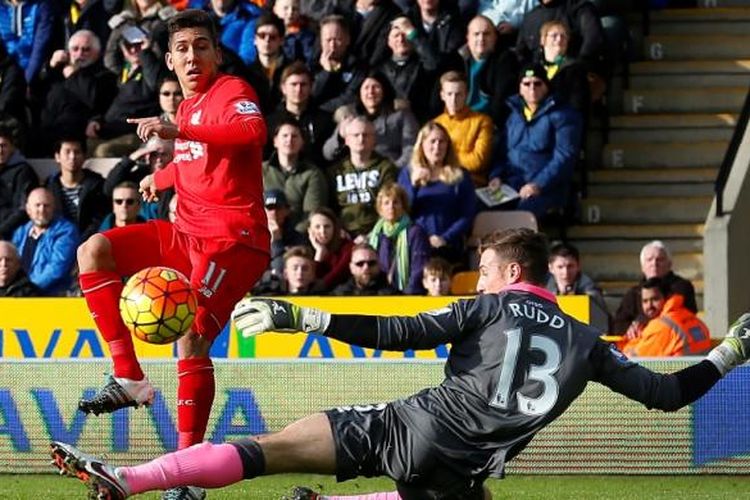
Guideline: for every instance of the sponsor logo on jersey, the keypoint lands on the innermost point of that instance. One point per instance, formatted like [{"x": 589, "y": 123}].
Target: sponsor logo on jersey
[
  {"x": 195, "y": 119},
  {"x": 247, "y": 108}
]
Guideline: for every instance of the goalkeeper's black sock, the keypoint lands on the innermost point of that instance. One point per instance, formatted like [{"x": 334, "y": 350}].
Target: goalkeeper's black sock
[{"x": 253, "y": 460}]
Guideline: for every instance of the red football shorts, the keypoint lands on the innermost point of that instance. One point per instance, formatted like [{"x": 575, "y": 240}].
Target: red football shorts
[{"x": 221, "y": 272}]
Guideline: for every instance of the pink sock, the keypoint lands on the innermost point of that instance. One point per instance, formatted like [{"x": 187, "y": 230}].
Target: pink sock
[
  {"x": 392, "y": 495},
  {"x": 206, "y": 465}
]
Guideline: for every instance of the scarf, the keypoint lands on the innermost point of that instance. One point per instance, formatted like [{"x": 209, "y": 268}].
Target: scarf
[{"x": 397, "y": 231}]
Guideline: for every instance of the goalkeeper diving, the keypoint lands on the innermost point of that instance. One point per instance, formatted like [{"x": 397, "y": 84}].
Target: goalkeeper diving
[{"x": 516, "y": 363}]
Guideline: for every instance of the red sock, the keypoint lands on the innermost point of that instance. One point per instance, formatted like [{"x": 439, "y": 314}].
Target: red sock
[
  {"x": 102, "y": 292},
  {"x": 195, "y": 395}
]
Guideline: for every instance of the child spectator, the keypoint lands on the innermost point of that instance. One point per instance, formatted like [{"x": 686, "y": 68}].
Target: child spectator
[
  {"x": 567, "y": 76},
  {"x": 470, "y": 132},
  {"x": 402, "y": 246},
  {"x": 436, "y": 277},
  {"x": 441, "y": 193},
  {"x": 333, "y": 249}
]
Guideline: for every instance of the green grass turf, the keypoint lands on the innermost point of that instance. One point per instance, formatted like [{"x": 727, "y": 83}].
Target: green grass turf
[{"x": 516, "y": 487}]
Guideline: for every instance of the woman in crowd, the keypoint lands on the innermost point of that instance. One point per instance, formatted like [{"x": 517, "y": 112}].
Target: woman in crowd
[
  {"x": 567, "y": 76},
  {"x": 402, "y": 246},
  {"x": 440, "y": 192},
  {"x": 395, "y": 124},
  {"x": 332, "y": 249}
]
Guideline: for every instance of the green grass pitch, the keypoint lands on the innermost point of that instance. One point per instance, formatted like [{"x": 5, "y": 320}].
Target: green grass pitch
[{"x": 14, "y": 487}]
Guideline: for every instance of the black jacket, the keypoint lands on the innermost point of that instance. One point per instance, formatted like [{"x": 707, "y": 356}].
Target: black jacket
[
  {"x": 21, "y": 287},
  {"x": 17, "y": 179},
  {"x": 369, "y": 35},
  {"x": 12, "y": 88},
  {"x": 571, "y": 85},
  {"x": 334, "y": 89},
  {"x": 93, "y": 205},
  {"x": 379, "y": 286},
  {"x": 498, "y": 79},
  {"x": 587, "y": 41},
  {"x": 448, "y": 33},
  {"x": 71, "y": 102},
  {"x": 317, "y": 126}
]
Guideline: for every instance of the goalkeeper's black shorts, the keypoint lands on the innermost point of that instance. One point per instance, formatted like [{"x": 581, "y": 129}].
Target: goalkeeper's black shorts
[{"x": 372, "y": 441}]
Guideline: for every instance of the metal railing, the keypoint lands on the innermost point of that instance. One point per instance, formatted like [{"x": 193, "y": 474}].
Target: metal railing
[{"x": 726, "y": 165}]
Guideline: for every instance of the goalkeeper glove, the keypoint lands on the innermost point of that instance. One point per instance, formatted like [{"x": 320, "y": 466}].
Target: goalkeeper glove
[
  {"x": 735, "y": 348},
  {"x": 254, "y": 316}
]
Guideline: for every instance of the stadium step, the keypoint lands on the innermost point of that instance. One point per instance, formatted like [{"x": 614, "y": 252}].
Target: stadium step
[
  {"x": 687, "y": 80},
  {"x": 648, "y": 190},
  {"x": 651, "y": 176},
  {"x": 664, "y": 155},
  {"x": 734, "y": 21},
  {"x": 684, "y": 100},
  {"x": 619, "y": 288},
  {"x": 694, "y": 67},
  {"x": 632, "y": 210},
  {"x": 651, "y": 231},
  {"x": 634, "y": 246},
  {"x": 695, "y": 46}
]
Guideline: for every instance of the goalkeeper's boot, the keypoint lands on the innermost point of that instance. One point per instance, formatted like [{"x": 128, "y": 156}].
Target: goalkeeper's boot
[
  {"x": 102, "y": 480},
  {"x": 302, "y": 493},
  {"x": 184, "y": 493},
  {"x": 119, "y": 393}
]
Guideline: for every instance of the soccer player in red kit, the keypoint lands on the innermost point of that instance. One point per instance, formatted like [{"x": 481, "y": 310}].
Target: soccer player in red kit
[{"x": 220, "y": 238}]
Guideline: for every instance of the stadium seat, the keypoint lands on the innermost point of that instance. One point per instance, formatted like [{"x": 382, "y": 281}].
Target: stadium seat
[{"x": 464, "y": 283}]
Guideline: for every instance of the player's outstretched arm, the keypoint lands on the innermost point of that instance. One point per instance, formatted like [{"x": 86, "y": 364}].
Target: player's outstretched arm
[{"x": 671, "y": 392}]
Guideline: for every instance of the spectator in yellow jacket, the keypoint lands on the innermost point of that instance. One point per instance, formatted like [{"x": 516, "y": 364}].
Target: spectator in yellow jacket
[
  {"x": 672, "y": 330},
  {"x": 470, "y": 132}
]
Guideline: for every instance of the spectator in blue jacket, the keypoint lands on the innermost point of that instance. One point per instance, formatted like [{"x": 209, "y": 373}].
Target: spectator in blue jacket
[
  {"x": 47, "y": 244},
  {"x": 402, "y": 246},
  {"x": 26, "y": 28},
  {"x": 542, "y": 141},
  {"x": 235, "y": 20},
  {"x": 299, "y": 39},
  {"x": 440, "y": 191}
]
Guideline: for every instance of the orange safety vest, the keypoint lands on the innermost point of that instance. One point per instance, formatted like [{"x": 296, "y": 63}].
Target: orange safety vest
[{"x": 676, "y": 332}]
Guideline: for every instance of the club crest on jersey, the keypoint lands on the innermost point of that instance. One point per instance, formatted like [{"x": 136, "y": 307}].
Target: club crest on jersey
[
  {"x": 195, "y": 119},
  {"x": 247, "y": 108}
]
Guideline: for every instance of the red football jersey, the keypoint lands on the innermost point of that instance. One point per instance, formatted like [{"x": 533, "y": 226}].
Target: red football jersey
[{"x": 216, "y": 170}]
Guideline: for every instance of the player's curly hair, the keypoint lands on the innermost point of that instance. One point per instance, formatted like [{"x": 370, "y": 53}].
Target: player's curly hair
[{"x": 522, "y": 245}]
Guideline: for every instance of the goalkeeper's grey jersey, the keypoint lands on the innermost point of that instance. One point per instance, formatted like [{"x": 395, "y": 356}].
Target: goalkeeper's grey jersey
[{"x": 515, "y": 364}]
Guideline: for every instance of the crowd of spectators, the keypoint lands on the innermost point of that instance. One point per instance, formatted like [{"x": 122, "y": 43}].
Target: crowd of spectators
[{"x": 384, "y": 116}]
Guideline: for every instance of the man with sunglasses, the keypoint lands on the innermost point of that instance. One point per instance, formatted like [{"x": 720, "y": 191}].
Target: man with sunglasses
[
  {"x": 540, "y": 145},
  {"x": 126, "y": 204},
  {"x": 367, "y": 277}
]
